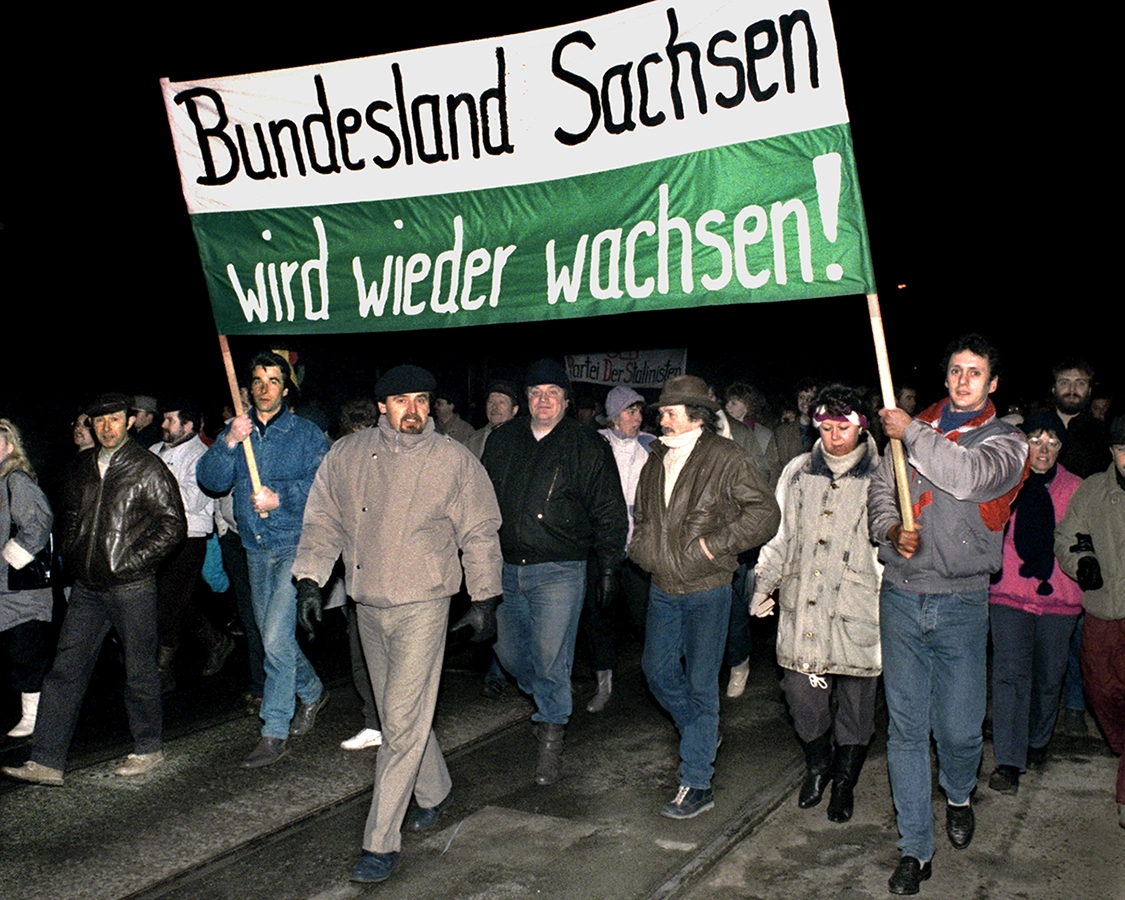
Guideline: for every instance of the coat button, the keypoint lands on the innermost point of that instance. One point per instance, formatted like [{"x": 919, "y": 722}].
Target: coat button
[
  {"x": 359, "y": 565},
  {"x": 812, "y": 603},
  {"x": 816, "y": 572},
  {"x": 539, "y": 515},
  {"x": 808, "y": 634},
  {"x": 828, "y": 512},
  {"x": 364, "y": 509},
  {"x": 834, "y": 485},
  {"x": 822, "y": 541}
]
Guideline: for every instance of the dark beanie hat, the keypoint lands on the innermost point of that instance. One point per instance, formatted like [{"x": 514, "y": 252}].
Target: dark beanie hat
[
  {"x": 404, "y": 380},
  {"x": 109, "y": 403},
  {"x": 547, "y": 371},
  {"x": 1044, "y": 420}
]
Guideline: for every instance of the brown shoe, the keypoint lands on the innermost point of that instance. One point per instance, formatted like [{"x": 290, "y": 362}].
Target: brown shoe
[
  {"x": 139, "y": 763},
  {"x": 34, "y": 773}
]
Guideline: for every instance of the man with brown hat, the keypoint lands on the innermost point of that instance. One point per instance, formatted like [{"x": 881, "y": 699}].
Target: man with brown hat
[{"x": 700, "y": 503}]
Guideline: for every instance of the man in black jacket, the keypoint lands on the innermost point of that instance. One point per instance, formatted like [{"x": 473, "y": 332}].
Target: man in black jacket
[
  {"x": 561, "y": 500},
  {"x": 122, "y": 515}
]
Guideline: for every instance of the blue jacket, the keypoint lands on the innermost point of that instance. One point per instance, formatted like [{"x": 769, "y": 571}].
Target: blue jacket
[{"x": 288, "y": 453}]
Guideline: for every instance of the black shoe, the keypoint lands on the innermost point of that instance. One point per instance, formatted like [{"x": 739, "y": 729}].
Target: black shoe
[
  {"x": 1036, "y": 757},
  {"x": 374, "y": 867},
  {"x": 305, "y": 717},
  {"x": 423, "y": 818},
  {"x": 1005, "y": 780},
  {"x": 218, "y": 656},
  {"x": 960, "y": 823},
  {"x": 268, "y": 751},
  {"x": 909, "y": 875}
]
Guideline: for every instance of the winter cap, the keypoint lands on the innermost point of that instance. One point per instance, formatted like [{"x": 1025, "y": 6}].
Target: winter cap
[
  {"x": 404, "y": 380},
  {"x": 620, "y": 399},
  {"x": 547, "y": 371}
]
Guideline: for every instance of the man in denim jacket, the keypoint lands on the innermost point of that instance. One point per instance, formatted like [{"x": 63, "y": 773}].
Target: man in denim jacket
[{"x": 288, "y": 450}]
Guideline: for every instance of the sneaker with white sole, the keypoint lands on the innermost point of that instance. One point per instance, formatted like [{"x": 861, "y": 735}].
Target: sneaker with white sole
[
  {"x": 139, "y": 763},
  {"x": 369, "y": 737},
  {"x": 688, "y": 803}
]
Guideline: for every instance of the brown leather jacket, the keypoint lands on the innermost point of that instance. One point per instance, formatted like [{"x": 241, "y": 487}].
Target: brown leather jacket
[
  {"x": 718, "y": 496},
  {"x": 117, "y": 529}
]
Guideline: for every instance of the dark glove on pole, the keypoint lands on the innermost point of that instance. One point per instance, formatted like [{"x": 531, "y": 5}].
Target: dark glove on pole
[
  {"x": 309, "y": 603},
  {"x": 481, "y": 617}
]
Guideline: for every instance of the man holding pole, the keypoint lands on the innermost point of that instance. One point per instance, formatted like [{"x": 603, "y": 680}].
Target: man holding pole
[
  {"x": 287, "y": 450},
  {"x": 966, "y": 468}
]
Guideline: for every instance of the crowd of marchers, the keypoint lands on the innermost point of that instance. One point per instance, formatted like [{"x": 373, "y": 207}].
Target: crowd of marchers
[{"x": 688, "y": 513}]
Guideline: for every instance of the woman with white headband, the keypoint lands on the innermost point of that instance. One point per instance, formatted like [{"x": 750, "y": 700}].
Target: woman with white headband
[{"x": 823, "y": 565}]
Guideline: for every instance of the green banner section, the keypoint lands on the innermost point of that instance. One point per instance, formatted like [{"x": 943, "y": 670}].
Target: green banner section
[{"x": 779, "y": 219}]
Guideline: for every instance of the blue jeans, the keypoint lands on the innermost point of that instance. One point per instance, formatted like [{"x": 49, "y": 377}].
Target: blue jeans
[
  {"x": 684, "y": 640},
  {"x": 536, "y": 626},
  {"x": 288, "y": 673},
  {"x": 935, "y": 678}
]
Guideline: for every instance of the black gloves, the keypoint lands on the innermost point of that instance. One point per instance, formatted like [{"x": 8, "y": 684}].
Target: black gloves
[
  {"x": 1089, "y": 571},
  {"x": 605, "y": 591},
  {"x": 309, "y": 603},
  {"x": 481, "y": 617}
]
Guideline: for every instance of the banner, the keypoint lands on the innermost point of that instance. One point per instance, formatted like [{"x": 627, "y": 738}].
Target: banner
[
  {"x": 663, "y": 156},
  {"x": 632, "y": 368}
]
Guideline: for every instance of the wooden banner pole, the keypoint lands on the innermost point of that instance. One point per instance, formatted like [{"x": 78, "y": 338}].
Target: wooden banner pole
[
  {"x": 236, "y": 405},
  {"x": 898, "y": 455}
]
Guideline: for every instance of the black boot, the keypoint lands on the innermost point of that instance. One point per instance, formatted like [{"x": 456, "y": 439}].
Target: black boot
[
  {"x": 551, "y": 736},
  {"x": 818, "y": 756},
  {"x": 849, "y": 762}
]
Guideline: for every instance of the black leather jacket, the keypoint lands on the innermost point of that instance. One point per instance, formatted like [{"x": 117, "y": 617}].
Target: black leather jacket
[
  {"x": 560, "y": 497},
  {"x": 117, "y": 529}
]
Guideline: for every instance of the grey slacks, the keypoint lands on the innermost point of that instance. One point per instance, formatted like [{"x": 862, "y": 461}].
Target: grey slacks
[{"x": 404, "y": 646}]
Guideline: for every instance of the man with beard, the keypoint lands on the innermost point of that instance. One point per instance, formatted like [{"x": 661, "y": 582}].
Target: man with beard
[
  {"x": 398, "y": 502},
  {"x": 1084, "y": 453},
  {"x": 1084, "y": 450},
  {"x": 181, "y": 451}
]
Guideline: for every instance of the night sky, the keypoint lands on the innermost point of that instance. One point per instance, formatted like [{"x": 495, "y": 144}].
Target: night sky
[{"x": 972, "y": 203}]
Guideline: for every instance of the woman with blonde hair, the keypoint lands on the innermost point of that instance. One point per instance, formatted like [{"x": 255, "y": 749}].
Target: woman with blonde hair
[{"x": 25, "y": 595}]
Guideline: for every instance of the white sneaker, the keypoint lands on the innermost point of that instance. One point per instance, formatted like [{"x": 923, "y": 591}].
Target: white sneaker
[
  {"x": 738, "y": 676},
  {"x": 369, "y": 737}
]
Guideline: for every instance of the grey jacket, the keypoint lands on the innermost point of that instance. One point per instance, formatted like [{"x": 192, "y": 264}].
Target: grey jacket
[
  {"x": 398, "y": 507},
  {"x": 1097, "y": 509},
  {"x": 825, "y": 566},
  {"x": 961, "y": 486},
  {"x": 31, "y": 514}
]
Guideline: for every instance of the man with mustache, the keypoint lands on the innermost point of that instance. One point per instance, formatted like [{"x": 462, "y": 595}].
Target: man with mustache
[{"x": 398, "y": 502}]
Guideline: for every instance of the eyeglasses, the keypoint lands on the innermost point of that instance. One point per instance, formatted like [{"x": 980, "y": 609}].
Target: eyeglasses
[{"x": 1037, "y": 442}]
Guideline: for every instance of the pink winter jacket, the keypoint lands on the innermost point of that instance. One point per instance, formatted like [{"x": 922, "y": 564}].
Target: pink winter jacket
[{"x": 1014, "y": 590}]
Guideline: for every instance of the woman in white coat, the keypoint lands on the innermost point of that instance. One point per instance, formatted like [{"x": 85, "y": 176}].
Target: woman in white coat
[{"x": 824, "y": 566}]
